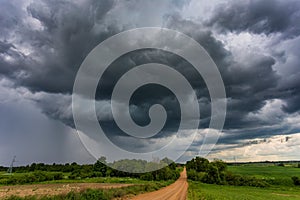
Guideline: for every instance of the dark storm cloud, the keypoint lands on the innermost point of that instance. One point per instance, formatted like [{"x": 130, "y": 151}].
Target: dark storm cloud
[
  {"x": 68, "y": 35},
  {"x": 4, "y": 47},
  {"x": 247, "y": 91},
  {"x": 68, "y": 32},
  {"x": 44, "y": 57},
  {"x": 259, "y": 16},
  {"x": 267, "y": 17}
]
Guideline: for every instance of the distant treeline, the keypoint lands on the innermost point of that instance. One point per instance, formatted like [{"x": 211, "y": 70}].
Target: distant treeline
[
  {"x": 265, "y": 162},
  {"x": 164, "y": 169}
]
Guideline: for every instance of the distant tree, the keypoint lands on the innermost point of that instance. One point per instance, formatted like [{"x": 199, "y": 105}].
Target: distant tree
[
  {"x": 199, "y": 164},
  {"x": 32, "y": 167},
  {"x": 169, "y": 162},
  {"x": 221, "y": 165},
  {"x": 213, "y": 175},
  {"x": 100, "y": 166}
]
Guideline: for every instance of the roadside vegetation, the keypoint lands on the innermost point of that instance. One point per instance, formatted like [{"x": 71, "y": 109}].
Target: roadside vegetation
[{"x": 101, "y": 194}]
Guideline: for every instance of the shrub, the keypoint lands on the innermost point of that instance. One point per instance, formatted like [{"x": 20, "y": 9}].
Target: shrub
[
  {"x": 296, "y": 180},
  {"x": 147, "y": 177},
  {"x": 238, "y": 180},
  {"x": 196, "y": 176}
]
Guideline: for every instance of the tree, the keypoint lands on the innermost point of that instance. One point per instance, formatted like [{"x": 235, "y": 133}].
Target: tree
[
  {"x": 199, "y": 164},
  {"x": 100, "y": 166},
  {"x": 220, "y": 165},
  {"x": 213, "y": 175}
]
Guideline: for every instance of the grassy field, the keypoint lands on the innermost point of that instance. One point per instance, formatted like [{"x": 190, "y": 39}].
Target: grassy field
[
  {"x": 201, "y": 191},
  {"x": 99, "y": 194},
  {"x": 36, "y": 190},
  {"x": 281, "y": 185},
  {"x": 85, "y": 180},
  {"x": 261, "y": 171},
  {"x": 139, "y": 186},
  {"x": 275, "y": 175}
]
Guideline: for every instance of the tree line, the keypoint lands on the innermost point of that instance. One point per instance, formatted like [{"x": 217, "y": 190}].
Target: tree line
[
  {"x": 164, "y": 169},
  {"x": 215, "y": 172}
]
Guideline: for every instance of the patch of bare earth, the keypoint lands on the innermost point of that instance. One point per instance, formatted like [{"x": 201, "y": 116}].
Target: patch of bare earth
[{"x": 53, "y": 189}]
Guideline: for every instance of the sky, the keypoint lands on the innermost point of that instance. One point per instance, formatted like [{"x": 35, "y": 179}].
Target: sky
[{"x": 254, "y": 43}]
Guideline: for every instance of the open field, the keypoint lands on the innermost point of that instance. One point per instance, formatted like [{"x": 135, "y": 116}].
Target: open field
[
  {"x": 88, "y": 181},
  {"x": 280, "y": 187},
  {"x": 104, "y": 187},
  {"x": 202, "y": 191},
  {"x": 53, "y": 189},
  {"x": 87, "y": 190},
  {"x": 271, "y": 173}
]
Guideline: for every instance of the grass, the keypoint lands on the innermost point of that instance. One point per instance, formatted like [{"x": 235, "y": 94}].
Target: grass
[
  {"x": 101, "y": 180},
  {"x": 86, "y": 180},
  {"x": 201, "y": 191},
  {"x": 140, "y": 186},
  {"x": 279, "y": 178},
  {"x": 273, "y": 174},
  {"x": 101, "y": 194},
  {"x": 265, "y": 171}
]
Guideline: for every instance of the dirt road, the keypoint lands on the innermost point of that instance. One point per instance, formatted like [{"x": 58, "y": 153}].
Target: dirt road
[
  {"x": 176, "y": 191},
  {"x": 53, "y": 189}
]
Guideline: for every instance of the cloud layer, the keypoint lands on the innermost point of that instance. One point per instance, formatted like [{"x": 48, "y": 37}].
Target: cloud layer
[{"x": 255, "y": 45}]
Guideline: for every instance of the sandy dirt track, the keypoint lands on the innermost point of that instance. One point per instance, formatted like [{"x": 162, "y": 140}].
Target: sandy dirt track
[
  {"x": 53, "y": 189},
  {"x": 175, "y": 191}
]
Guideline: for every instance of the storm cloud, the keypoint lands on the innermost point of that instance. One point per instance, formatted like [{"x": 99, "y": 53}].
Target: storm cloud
[{"x": 255, "y": 45}]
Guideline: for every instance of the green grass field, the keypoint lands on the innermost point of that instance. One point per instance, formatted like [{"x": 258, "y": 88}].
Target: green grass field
[
  {"x": 279, "y": 178},
  {"x": 273, "y": 174},
  {"x": 201, "y": 191},
  {"x": 262, "y": 171},
  {"x": 85, "y": 180}
]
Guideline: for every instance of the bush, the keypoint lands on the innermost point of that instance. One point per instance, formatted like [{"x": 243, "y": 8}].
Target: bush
[
  {"x": 93, "y": 195},
  {"x": 196, "y": 176},
  {"x": 147, "y": 177},
  {"x": 296, "y": 180},
  {"x": 238, "y": 180},
  {"x": 37, "y": 176}
]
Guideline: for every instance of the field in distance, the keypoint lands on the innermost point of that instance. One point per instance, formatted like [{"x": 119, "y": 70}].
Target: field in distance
[{"x": 279, "y": 178}]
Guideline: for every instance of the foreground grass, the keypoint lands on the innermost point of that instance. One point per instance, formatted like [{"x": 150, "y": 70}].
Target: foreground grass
[
  {"x": 101, "y": 194},
  {"x": 201, "y": 191}
]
